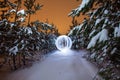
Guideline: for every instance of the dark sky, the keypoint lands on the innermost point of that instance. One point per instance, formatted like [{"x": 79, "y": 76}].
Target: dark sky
[{"x": 56, "y": 11}]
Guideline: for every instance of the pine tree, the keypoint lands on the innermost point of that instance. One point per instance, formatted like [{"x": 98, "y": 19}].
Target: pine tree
[
  {"x": 18, "y": 39},
  {"x": 31, "y": 7},
  {"x": 101, "y": 34}
]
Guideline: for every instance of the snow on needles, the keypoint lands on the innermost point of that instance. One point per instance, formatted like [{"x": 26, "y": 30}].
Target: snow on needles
[
  {"x": 12, "y": 10},
  {"x": 101, "y": 36},
  {"x": 93, "y": 41},
  {"x": 84, "y": 2},
  {"x": 28, "y": 30},
  {"x": 13, "y": 50},
  {"x": 77, "y": 10},
  {"x": 21, "y": 12},
  {"x": 117, "y": 31},
  {"x": 104, "y": 35},
  {"x": 78, "y": 28}
]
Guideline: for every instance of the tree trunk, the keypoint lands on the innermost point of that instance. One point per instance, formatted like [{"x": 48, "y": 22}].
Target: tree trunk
[
  {"x": 19, "y": 58},
  {"x": 14, "y": 62},
  {"x": 24, "y": 62}
]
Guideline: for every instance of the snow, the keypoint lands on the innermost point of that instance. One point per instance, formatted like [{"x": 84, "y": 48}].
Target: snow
[
  {"x": 23, "y": 45},
  {"x": 43, "y": 40},
  {"x": 93, "y": 41},
  {"x": 78, "y": 28},
  {"x": 113, "y": 51},
  {"x": 22, "y": 19},
  {"x": 70, "y": 33},
  {"x": 104, "y": 49},
  {"x": 101, "y": 59},
  {"x": 12, "y": 24},
  {"x": 117, "y": 31},
  {"x": 46, "y": 25},
  {"x": 57, "y": 66},
  {"x": 21, "y": 12},
  {"x": 101, "y": 36},
  {"x": 84, "y": 2},
  {"x": 106, "y": 20},
  {"x": 97, "y": 21},
  {"x": 106, "y": 12},
  {"x": 13, "y": 50},
  {"x": 93, "y": 14},
  {"x": 104, "y": 54},
  {"x": 28, "y": 30},
  {"x": 12, "y": 10},
  {"x": 92, "y": 33},
  {"x": 22, "y": 41},
  {"x": 93, "y": 55},
  {"x": 104, "y": 25},
  {"x": 77, "y": 10}
]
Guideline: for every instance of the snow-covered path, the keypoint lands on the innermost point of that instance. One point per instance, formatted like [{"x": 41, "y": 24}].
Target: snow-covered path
[{"x": 67, "y": 65}]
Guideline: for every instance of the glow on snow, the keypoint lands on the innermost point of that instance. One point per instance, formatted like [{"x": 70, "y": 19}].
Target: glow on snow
[
  {"x": 64, "y": 64},
  {"x": 63, "y": 43}
]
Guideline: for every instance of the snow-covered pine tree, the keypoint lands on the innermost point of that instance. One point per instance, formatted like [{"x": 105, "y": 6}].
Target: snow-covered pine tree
[
  {"x": 75, "y": 43},
  {"x": 18, "y": 39},
  {"x": 101, "y": 33},
  {"x": 79, "y": 35}
]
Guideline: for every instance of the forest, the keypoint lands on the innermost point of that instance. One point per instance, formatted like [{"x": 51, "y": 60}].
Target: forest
[{"x": 22, "y": 39}]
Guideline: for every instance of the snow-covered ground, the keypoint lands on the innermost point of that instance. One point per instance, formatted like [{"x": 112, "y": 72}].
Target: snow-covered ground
[{"x": 66, "y": 65}]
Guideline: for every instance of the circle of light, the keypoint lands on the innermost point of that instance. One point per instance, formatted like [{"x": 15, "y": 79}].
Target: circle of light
[{"x": 63, "y": 42}]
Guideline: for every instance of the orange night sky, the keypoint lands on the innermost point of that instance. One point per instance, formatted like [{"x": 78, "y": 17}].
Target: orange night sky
[{"x": 56, "y": 11}]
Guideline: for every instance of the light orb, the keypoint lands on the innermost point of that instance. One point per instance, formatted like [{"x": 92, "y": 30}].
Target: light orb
[{"x": 63, "y": 42}]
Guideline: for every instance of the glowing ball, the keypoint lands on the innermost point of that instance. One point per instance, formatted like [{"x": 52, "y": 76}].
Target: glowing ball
[{"x": 63, "y": 42}]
